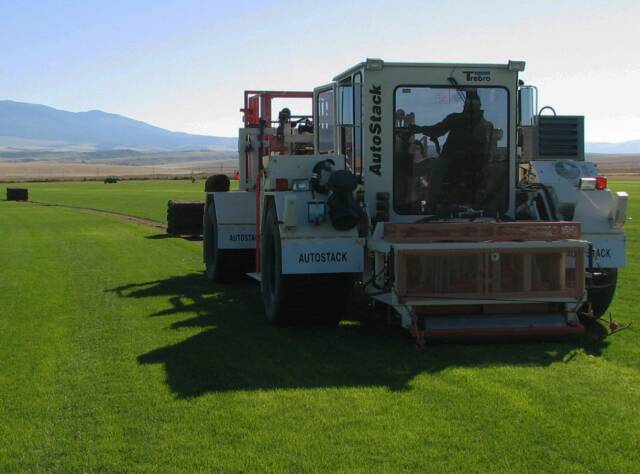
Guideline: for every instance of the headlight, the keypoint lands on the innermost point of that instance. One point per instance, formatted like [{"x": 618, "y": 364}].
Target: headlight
[
  {"x": 587, "y": 184},
  {"x": 300, "y": 185}
]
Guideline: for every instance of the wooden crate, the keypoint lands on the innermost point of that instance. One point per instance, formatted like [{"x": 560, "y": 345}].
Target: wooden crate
[{"x": 491, "y": 273}]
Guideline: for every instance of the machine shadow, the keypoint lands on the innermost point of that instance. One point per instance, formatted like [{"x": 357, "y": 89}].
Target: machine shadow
[
  {"x": 193, "y": 238},
  {"x": 238, "y": 350}
]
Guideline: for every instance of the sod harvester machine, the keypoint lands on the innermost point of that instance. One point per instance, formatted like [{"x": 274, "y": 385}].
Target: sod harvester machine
[{"x": 440, "y": 188}]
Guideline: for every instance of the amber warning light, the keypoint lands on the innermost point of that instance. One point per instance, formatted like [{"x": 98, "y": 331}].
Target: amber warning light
[{"x": 282, "y": 184}]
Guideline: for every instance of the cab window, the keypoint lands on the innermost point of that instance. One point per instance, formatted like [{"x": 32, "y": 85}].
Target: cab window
[
  {"x": 326, "y": 113},
  {"x": 357, "y": 123},
  {"x": 451, "y": 150}
]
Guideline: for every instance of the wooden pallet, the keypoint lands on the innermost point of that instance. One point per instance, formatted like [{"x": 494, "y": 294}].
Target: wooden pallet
[{"x": 482, "y": 231}]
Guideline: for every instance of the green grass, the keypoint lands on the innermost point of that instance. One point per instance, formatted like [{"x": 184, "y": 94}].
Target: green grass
[
  {"x": 146, "y": 198},
  {"x": 117, "y": 356}
]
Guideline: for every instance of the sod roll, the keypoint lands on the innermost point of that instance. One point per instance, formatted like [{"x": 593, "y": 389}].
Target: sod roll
[
  {"x": 17, "y": 194},
  {"x": 185, "y": 217}
]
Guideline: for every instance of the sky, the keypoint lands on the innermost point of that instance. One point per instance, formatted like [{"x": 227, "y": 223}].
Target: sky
[{"x": 183, "y": 65}]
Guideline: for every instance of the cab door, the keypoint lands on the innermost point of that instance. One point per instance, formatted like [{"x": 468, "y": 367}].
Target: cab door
[
  {"x": 349, "y": 121},
  {"x": 324, "y": 114}
]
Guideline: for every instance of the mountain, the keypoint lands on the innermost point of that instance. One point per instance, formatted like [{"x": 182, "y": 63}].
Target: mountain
[
  {"x": 26, "y": 126},
  {"x": 632, "y": 146},
  {"x": 35, "y": 127}
]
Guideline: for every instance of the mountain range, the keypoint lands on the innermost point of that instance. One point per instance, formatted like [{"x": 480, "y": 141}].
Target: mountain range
[
  {"x": 629, "y": 147},
  {"x": 34, "y": 127},
  {"x": 37, "y": 127}
]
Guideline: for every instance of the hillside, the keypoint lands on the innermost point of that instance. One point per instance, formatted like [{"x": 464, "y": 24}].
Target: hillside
[
  {"x": 34, "y": 127},
  {"x": 616, "y": 163},
  {"x": 628, "y": 147},
  {"x": 28, "y": 127}
]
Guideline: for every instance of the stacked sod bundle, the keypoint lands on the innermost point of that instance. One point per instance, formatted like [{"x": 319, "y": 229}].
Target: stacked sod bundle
[
  {"x": 17, "y": 194},
  {"x": 185, "y": 217}
]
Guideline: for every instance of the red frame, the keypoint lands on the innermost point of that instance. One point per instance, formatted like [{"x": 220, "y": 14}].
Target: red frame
[
  {"x": 257, "y": 104},
  {"x": 257, "y": 107}
]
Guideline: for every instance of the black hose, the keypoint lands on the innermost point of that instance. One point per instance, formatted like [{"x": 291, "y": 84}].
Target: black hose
[
  {"x": 316, "y": 174},
  {"x": 552, "y": 207}
]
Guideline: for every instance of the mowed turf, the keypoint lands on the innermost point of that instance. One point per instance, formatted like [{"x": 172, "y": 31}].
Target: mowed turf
[
  {"x": 117, "y": 355},
  {"x": 145, "y": 198}
]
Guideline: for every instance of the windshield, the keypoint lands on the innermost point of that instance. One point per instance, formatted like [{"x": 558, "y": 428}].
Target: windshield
[{"x": 451, "y": 151}]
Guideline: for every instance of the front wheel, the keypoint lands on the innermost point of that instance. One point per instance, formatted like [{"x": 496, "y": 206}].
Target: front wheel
[
  {"x": 602, "y": 290},
  {"x": 308, "y": 298}
]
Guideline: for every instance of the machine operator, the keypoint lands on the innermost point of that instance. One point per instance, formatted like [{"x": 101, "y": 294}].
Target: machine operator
[{"x": 464, "y": 154}]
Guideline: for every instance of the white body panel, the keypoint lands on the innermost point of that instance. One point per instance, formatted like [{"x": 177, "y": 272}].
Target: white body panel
[
  {"x": 303, "y": 229},
  {"x": 235, "y": 218},
  {"x": 565, "y": 174},
  {"x": 594, "y": 209},
  {"x": 234, "y": 236},
  {"x": 608, "y": 250},
  {"x": 309, "y": 248},
  {"x": 235, "y": 207},
  {"x": 294, "y": 167},
  {"x": 333, "y": 255}
]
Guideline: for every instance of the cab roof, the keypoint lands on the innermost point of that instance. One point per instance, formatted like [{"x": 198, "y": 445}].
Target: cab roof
[{"x": 376, "y": 64}]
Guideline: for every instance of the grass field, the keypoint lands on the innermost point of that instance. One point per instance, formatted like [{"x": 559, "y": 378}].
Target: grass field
[
  {"x": 146, "y": 198},
  {"x": 118, "y": 356}
]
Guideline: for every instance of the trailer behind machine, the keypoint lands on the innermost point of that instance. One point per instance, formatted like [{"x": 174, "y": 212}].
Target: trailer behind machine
[{"x": 438, "y": 188}]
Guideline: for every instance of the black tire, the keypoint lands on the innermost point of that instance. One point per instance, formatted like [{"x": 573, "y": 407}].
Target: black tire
[
  {"x": 602, "y": 291},
  {"x": 289, "y": 299},
  {"x": 217, "y": 183},
  {"x": 210, "y": 251},
  {"x": 222, "y": 265}
]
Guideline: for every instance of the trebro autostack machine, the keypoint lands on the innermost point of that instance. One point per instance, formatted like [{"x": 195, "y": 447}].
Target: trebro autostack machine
[{"x": 441, "y": 189}]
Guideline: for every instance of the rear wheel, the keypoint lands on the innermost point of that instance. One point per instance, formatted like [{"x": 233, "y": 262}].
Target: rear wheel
[
  {"x": 313, "y": 298},
  {"x": 217, "y": 183}
]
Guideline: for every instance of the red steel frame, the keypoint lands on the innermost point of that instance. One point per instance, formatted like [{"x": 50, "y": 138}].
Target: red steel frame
[
  {"x": 257, "y": 111},
  {"x": 257, "y": 104}
]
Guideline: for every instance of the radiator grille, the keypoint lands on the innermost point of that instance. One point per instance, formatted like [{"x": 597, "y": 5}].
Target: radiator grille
[{"x": 559, "y": 137}]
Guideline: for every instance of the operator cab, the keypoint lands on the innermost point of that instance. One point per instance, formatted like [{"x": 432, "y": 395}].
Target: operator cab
[{"x": 431, "y": 141}]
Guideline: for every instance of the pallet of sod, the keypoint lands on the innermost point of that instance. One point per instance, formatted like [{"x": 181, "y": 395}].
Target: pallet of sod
[
  {"x": 185, "y": 217},
  {"x": 17, "y": 194}
]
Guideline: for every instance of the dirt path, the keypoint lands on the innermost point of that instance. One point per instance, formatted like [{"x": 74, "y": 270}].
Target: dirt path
[{"x": 125, "y": 217}]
